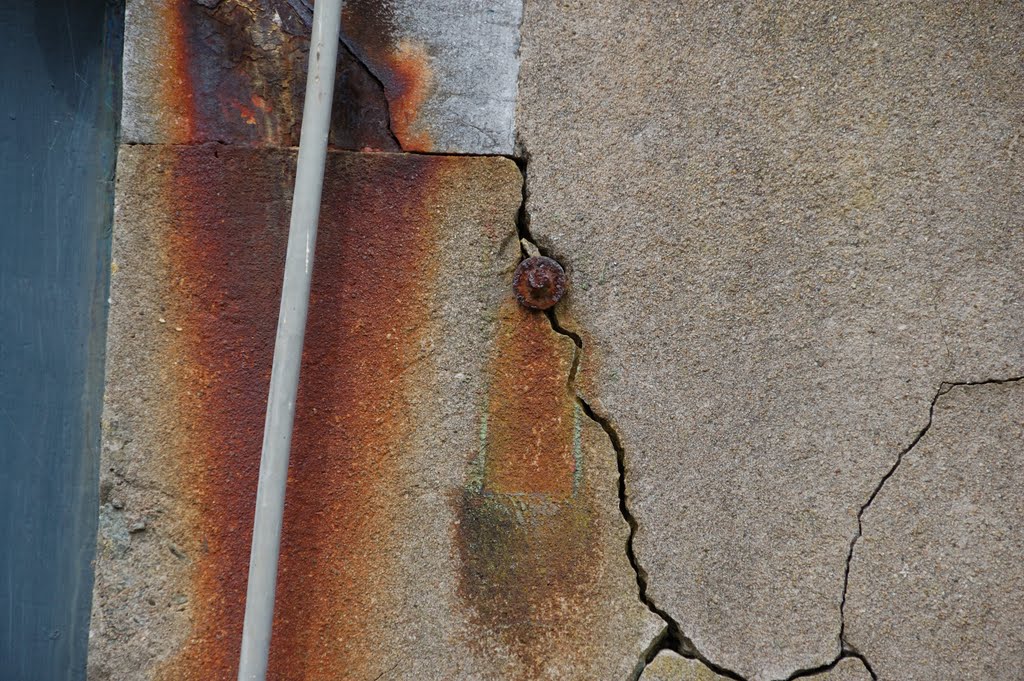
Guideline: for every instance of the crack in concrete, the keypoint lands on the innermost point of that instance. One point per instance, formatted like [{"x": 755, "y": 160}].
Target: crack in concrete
[
  {"x": 304, "y": 9},
  {"x": 672, "y": 636},
  {"x": 384, "y": 92},
  {"x": 944, "y": 388},
  {"x": 846, "y": 653},
  {"x": 659, "y": 643}
]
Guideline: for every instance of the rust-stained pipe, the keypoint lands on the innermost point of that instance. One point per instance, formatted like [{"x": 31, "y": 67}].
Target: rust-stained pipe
[{"x": 291, "y": 329}]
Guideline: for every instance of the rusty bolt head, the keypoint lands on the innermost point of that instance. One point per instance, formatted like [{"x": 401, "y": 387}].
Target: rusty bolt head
[{"x": 539, "y": 282}]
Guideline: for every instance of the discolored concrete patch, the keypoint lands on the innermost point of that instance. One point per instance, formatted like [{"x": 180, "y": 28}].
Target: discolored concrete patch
[
  {"x": 418, "y": 76},
  {"x": 786, "y": 224},
  {"x": 936, "y": 590},
  {"x": 542, "y": 545},
  {"x": 414, "y": 354}
]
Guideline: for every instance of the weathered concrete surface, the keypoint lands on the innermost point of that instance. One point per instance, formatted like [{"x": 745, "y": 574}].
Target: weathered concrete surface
[
  {"x": 420, "y": 76},
  {"x": 786, "y": 224},
  {"x": 449, "y": 68},
  {"x": 848, "y": 669},
  {"x": 450, "y": 513},
  {"x": 671, "y": 666},
  {"x": 936, "y": 587},
  {"x": 233, "y": 71}
]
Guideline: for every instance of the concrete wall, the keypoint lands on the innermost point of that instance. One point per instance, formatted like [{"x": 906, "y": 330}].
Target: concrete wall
[{"x": 773, "y": 431}]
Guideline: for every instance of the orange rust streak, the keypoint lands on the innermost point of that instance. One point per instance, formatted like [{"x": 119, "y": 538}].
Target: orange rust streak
[
  {"x": 260, "y": 103},
  {"x": 403, "y": 66},
  {"x": 371, "y": 271},
  {"x": 175, "y": 95},
  {"x": 245, "y": 113},
  {"x": 527, "y": 540},
  {"x": 409, "y": 84},
  {"x": 530, "y": 414},
  {"x": 367, "y": 314},
  {"x": 225, "y": 285}
]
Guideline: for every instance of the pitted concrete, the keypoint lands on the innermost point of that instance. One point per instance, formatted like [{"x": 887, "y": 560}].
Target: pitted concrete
[
  {"x": 420, "y": 76},
  {"x": 671, "y": 666},
  {"x": 785, "y": 225},
  {"x": 936, "y": 589},
  {"x": 451, "y": 513}
]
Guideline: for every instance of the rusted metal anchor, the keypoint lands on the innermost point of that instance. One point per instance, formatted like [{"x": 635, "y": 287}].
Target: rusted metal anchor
[{"x": 539, "y": 282}]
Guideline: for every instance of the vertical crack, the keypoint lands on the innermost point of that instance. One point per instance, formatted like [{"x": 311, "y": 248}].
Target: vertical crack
[
  {"x": 672, "y": 636},
  {"x": 944, "y": 388}
]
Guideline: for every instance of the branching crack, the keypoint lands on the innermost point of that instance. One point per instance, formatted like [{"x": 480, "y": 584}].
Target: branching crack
[
  {"x": 672, "y": 636},
  {"x": 944, "y": 388}
]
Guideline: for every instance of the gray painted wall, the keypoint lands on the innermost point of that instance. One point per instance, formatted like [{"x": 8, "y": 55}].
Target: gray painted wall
[{"x": 60, "y": 83}]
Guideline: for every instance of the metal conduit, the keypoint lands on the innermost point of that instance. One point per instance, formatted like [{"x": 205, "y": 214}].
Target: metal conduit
[{"x": 291, "y": 330}]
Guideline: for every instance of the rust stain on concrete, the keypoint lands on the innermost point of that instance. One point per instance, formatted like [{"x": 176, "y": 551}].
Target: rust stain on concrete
[
  {"x": 237, "y": 75},
  {"x": 175, "y": 100},
  {"x": 372, "y": 273},
  {"x": 408, "y": 85},
  {"x": 528, "y": 533},
  {"x": 531, "y": 416},
  {"x": 401, "y": 64}
]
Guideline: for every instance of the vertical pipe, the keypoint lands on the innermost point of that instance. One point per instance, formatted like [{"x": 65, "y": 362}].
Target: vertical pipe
[{"x": 291, "y": 329}]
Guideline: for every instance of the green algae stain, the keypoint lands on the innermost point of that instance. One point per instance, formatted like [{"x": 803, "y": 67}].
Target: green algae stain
[{"x": 526, "y": 530}]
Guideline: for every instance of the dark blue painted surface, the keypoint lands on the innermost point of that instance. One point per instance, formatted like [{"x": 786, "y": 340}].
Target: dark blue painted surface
[{"x": 59, "y": 102}]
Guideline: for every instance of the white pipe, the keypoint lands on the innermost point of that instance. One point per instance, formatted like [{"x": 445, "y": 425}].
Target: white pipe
[{"x": 291, "y": 330}]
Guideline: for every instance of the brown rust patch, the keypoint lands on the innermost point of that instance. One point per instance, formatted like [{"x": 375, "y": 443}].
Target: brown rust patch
[
  {"x": 527, "y": 533},
  {"x": 236, "y": 73},
  {"x": 175, "y": 97},
  {"x": 529, "y": 445},
  {"x": 372, "y": 272},
  {"x": 401, "y": 64}
]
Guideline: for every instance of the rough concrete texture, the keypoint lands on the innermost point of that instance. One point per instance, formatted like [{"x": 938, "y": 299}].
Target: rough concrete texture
[
  {"x": 412, "y": 75},
  {"x": 936, "y": 589},
  {"x": 449, "y": 68},
  {"x": 785, "y": 225},
  {"x": 848, "y": 669},
  {"x": 451, "y": 512},
  {"x": 671, "y": 666}
]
